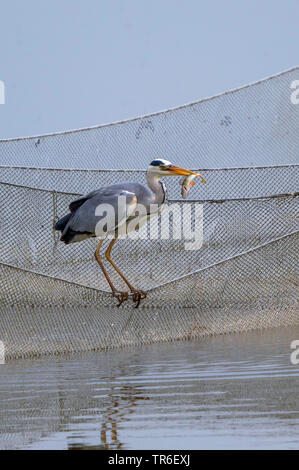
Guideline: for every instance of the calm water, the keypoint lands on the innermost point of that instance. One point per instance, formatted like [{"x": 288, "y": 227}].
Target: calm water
[{"x": 234, "y": 391}]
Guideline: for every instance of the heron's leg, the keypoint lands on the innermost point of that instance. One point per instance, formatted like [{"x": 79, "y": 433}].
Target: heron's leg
[
  {"x": 138, "y": 294},
  {"x": 121, "y": 296}
]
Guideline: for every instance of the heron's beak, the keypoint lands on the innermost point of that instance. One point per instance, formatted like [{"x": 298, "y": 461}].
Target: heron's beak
[{"x": 177, "y": 170}]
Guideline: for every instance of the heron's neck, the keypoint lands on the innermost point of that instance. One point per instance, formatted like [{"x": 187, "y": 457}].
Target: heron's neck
[{"x": 158, "y": 188}]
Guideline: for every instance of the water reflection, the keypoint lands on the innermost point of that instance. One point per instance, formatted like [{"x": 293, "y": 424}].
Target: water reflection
[
  {"x": 222, "y": 392},
  {"x": 123, "y": 400}
]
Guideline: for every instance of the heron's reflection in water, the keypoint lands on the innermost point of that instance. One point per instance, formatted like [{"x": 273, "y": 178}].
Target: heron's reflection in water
[{"x": 123, "y": 401}]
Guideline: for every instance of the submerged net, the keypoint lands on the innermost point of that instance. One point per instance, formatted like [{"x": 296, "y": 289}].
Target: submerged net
[{"x": 234, "y": 269}]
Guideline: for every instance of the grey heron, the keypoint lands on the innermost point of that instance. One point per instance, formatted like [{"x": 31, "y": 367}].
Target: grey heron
[{"x": 132, "y": 205}]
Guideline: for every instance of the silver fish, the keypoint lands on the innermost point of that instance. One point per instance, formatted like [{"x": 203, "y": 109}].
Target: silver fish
[{"x": 187, "y": 182}]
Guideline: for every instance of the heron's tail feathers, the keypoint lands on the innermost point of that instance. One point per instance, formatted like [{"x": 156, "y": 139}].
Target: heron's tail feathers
[
  {"x": 72, "y": 236},
  {"x": 61, "y": 223},
  {"x": 69, "y": 235}
]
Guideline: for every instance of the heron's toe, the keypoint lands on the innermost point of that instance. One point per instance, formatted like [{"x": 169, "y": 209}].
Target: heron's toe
[
  {"x": 143, "y": 294},
  {"x": 138, "y": 295},
  {"x": 120, "y": 296}
]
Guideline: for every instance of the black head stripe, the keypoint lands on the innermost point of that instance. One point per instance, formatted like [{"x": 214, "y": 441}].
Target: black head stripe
[{"x": 157, "y": 163}]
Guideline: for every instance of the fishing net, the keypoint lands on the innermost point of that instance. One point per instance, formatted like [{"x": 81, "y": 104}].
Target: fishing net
[
  {"x": 228, "y": 261},
  {"x": 256, "y": 125}
]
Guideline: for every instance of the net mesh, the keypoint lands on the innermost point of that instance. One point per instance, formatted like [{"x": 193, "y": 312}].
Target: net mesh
[
  {"x": 256, "y": 125},
  {"x": 235, "y": 267}
]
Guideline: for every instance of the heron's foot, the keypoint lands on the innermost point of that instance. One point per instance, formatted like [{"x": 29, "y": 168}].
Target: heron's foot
[
  {"x": 120, "y": 296},
  {"x": 138, "y": 295}
]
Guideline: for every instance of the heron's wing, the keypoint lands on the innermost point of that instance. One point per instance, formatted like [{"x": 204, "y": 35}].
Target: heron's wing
[
  {"x": 143, "y": 194},
  {"x": 78, "y": 202},
  {"x": 101, "y": 211}
]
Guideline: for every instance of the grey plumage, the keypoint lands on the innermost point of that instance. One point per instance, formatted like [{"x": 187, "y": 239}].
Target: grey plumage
[{"x": 82, "y": 220}]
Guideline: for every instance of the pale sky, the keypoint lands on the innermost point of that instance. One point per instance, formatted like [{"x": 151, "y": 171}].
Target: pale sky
[{"x": 74, "y": 63}]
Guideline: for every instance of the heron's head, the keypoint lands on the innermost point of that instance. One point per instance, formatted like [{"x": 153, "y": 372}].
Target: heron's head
[{"x": 165, "y": 168}]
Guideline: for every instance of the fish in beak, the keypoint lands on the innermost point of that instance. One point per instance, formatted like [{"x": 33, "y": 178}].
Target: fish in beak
[
  {"x": 177, "y": 170},
  {"x": 187, "y": 182}
]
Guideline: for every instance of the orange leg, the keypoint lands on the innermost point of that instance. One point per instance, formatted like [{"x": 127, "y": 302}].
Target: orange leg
[
  {"x": 121, "y": 296},
  {"x": 138, "y": 294}
]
